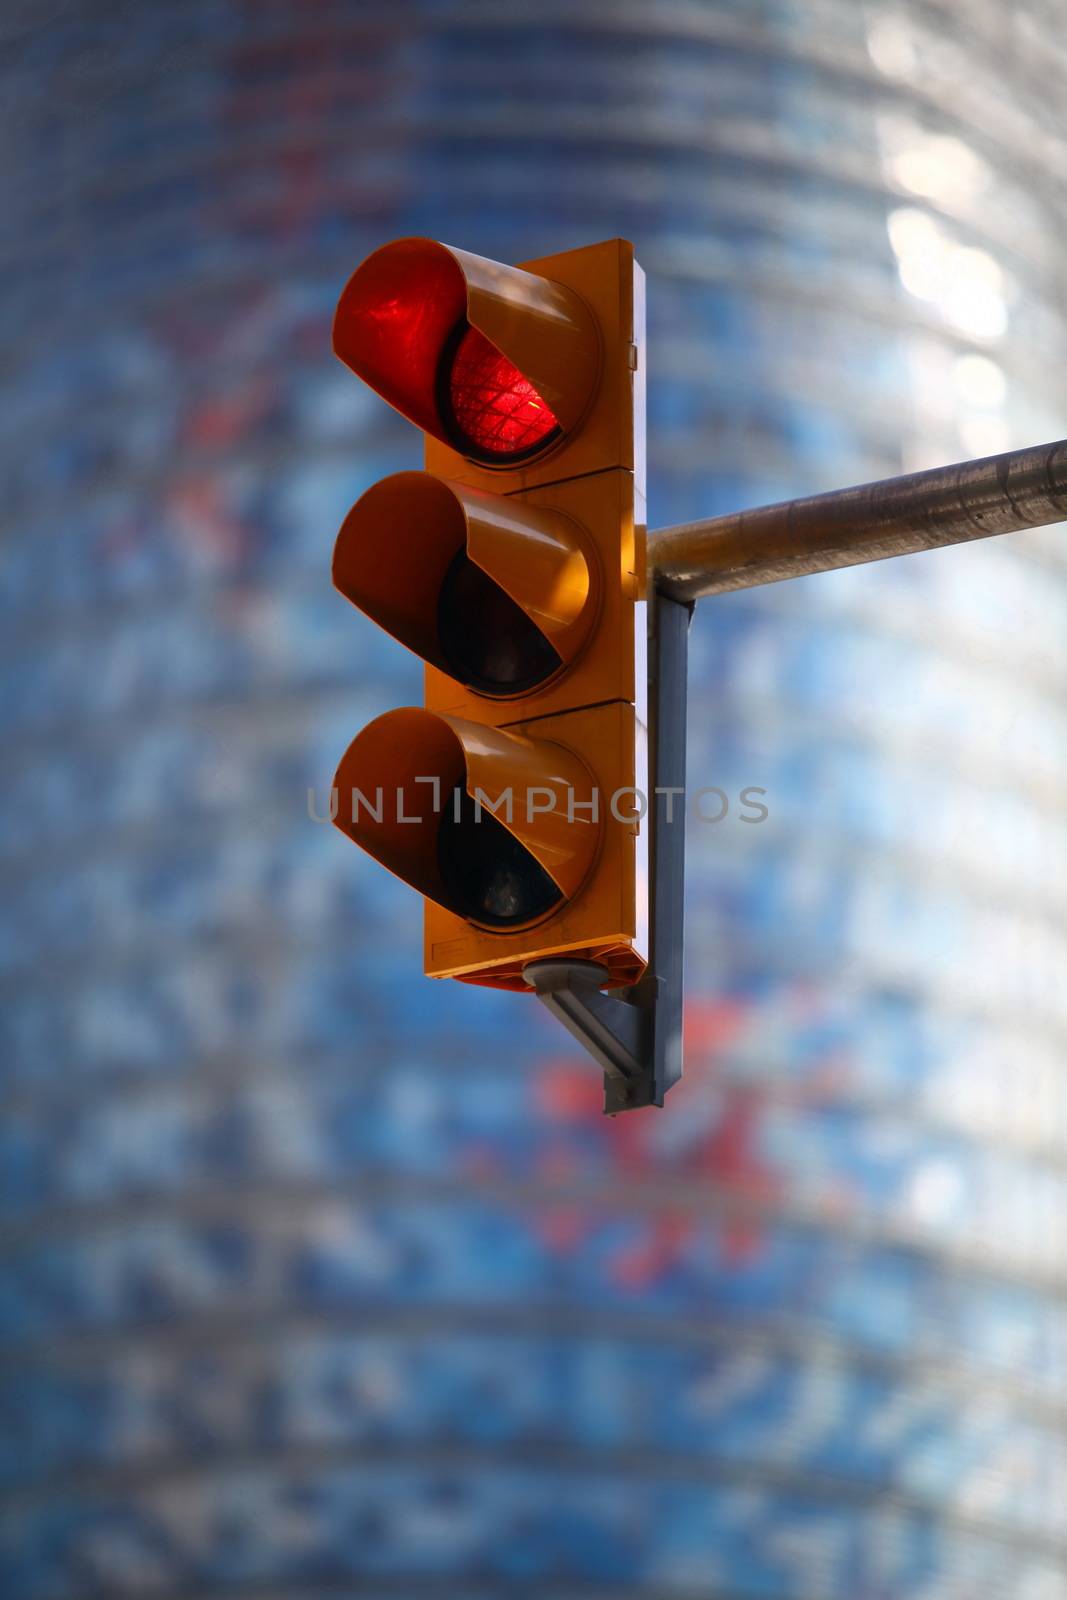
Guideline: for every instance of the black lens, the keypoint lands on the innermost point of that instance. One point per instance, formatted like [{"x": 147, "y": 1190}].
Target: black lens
[
  {"x": 490, "y": 877},
  {"x": 489, "y": 643}
]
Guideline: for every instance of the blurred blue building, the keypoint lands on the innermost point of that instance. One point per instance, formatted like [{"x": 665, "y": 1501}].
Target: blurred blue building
[{"x": 317, "y": 1277}]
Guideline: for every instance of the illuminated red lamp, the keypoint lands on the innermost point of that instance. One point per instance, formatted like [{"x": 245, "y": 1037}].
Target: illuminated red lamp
[
  {"x": 494, "y": 361},
  {"x": 495, "y": 411}
]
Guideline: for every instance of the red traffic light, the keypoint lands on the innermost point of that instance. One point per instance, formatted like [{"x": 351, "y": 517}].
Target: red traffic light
[
  {"x": 513, "y": 566},
  {"x": 498, "y": 363}
]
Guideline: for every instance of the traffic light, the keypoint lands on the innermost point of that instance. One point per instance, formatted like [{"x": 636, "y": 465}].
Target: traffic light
[{"x": 513, "y": 800}]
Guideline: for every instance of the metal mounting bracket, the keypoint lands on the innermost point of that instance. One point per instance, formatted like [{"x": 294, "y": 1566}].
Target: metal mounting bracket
[{"x": 636, "y": 1036}]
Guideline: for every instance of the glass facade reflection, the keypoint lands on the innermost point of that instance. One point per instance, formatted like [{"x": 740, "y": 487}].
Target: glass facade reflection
[{"x": 318, "y": 1277}]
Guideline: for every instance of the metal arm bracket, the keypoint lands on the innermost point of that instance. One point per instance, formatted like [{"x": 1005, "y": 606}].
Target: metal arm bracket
[{"x": 637, "y": 1039}]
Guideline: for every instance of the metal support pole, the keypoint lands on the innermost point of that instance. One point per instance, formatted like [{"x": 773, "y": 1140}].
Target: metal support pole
[
  {"x": 668, "y": 682},
  {"x": 897, "y": 517}
]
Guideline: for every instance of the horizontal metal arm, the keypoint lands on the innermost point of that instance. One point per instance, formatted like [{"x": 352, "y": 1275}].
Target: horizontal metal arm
[{"x": 923, "y": 511}]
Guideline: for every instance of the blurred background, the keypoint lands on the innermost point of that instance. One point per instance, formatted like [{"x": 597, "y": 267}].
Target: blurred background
[{"x": 319, "y": 1278}]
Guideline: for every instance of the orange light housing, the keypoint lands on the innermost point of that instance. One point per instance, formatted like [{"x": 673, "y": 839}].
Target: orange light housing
[
  {"x": 524, "y": 843},
  {"x": 498, "y": 594},
  {"x": 496, "y": 362}
]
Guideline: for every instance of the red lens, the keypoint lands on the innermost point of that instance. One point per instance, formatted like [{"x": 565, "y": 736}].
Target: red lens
[{"x": 496, "y": 411}]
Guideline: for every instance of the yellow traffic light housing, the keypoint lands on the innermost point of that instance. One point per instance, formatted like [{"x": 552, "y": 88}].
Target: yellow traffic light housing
[{"x": 515, "y": 801}]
